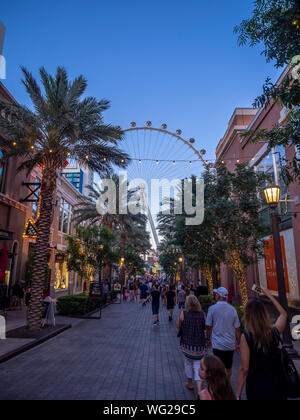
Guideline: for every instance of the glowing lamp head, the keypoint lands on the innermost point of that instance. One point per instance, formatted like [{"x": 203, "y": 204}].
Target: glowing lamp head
[{"x": 272, "y": 195}]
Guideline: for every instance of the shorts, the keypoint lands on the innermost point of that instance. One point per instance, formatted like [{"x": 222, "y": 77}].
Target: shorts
[
  {"x": 143, "y": 296},
  {"x": 181, "y": 305},
  {"x": 170, "y": 305},
  {"x": 155, "y": 309},
  {"x": 225, "y": 356}
]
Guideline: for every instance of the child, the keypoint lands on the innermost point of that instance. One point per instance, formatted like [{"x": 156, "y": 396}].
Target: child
[
  {"x": 126, "y": 294},
  {"x": 214, "y": 373}
]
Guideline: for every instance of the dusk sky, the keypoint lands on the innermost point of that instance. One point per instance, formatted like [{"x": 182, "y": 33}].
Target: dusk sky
[{"x": 165, "y": 61}]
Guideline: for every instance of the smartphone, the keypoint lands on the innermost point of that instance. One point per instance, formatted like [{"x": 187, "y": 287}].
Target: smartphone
[{"x": 256, "y": 289}]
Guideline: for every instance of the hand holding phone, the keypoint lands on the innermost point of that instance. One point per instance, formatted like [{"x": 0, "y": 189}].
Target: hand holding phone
[{"x": 257, "y": 289}]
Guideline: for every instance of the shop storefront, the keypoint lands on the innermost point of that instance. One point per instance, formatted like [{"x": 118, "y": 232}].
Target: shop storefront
[{"x": 61, "y": 281}]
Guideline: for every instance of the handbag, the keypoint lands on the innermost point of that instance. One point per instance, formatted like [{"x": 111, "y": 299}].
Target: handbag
[{"x": 290, "y": 373}]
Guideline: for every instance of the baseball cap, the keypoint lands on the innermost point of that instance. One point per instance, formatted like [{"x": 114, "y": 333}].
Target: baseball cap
[{"x": 222, "y": 292}]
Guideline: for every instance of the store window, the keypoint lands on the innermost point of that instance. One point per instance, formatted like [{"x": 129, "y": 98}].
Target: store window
[
  {"x": 271, "y": 166},
  {"x": 76, "y": 179},
  {"x": 61, "y": 273},
  {"x": 65, "y": 217}
]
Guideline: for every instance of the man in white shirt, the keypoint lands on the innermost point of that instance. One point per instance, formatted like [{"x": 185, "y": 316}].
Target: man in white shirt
[{"x": 223, "y": 329}]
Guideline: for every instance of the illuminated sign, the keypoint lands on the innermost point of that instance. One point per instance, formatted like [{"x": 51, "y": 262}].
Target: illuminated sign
[{"x": 30, "y": 230}]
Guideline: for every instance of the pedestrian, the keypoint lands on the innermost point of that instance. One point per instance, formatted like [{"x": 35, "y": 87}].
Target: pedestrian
[
  {"x": 193, "y": 345},
  {"x": 212, "y": 370},
  {"x": 181, "y": 297},
  {"x": 131, "y": 288},
  {"x": 126, "y": 295},
  {"x": 135, "y": 292},
  {"x": 106, "y": 291},
  {"x": 155, "y": 295},
  {"x": 223, "y": 329},
  {"x": 143, "y": 294},
  {"x": 163, "y": 294},
  {"x": 192, "y": 290},
  {"x": 260, "y": 365},
  {"x": 171, "y": 301}
]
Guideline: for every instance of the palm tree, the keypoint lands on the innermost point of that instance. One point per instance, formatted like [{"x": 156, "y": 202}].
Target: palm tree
[
  {"x": 61, "y": 125},
  {"x": 131, "y": 228}
]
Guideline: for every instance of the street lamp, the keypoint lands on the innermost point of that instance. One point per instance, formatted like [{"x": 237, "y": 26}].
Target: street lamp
[
  {"x": 272, "y": 195},
  {"x": 180, "y": 260},
  {"x": 122, "y": 261}
]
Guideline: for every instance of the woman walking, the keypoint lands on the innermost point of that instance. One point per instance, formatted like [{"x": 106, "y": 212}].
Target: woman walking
[
  {"x": 260, "y": 365},
  {"x": 193, "y": 346}
]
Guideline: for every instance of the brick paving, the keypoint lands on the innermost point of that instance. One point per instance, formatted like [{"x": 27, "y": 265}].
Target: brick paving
[{"x": 120, "y": 357}]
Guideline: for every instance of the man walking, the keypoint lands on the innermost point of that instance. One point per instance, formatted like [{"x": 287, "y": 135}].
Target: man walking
[
  {"x": 223, "y": 329},
  {"x": 155, "y": 295},
  {"x": 144, "y": 293}
]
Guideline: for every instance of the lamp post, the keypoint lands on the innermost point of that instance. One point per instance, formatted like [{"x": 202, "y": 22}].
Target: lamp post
[
  {"x": 272, "y": 195},
  {"x": 122, "y": 269},
  {"x": 180, "y": 260}
]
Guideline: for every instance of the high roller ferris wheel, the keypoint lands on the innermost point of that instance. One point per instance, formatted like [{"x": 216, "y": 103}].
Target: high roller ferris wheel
[{"x": 162, "y": 154}]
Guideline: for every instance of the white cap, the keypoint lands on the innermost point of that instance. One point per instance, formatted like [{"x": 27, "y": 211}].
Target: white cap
[{"x": 221, "y": 291}]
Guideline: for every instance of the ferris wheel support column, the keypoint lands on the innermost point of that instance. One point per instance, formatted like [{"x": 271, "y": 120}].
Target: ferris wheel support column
[{"x": 146, "y": 207}]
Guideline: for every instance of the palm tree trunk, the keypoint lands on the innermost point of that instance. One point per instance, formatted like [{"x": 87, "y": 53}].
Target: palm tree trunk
[{"x": 48, "y": 185}]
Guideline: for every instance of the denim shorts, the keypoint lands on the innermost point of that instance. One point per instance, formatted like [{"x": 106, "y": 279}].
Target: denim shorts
[
  {"x": 181, "y": 305},
  {"x": 155, "y": 309}
]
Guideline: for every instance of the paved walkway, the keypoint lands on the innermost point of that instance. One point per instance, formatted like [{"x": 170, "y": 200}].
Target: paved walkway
[{"x": 122, "y": 356}]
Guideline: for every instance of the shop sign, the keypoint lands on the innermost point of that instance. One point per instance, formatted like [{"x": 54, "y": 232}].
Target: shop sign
[{"x": 270, "y": 264}]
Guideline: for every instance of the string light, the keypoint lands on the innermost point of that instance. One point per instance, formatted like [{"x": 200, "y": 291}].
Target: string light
[
  {"x": 223, "y": 161},
  {"x": 87, "y": 156},
  {"x": 14, "y": 143}
]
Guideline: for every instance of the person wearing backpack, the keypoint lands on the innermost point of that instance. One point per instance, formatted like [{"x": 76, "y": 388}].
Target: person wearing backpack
[{"x": 260, "y": 364}]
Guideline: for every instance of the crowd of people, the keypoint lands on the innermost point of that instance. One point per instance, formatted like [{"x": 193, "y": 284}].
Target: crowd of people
[{"x": 209, "y": 341}]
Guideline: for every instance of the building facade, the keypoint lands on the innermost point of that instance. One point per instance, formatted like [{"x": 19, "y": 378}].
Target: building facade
[
  {"x": 233, "y": 149},
  {"x": 12, "y": 215},
  {"x": 18, "y": 213}
]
